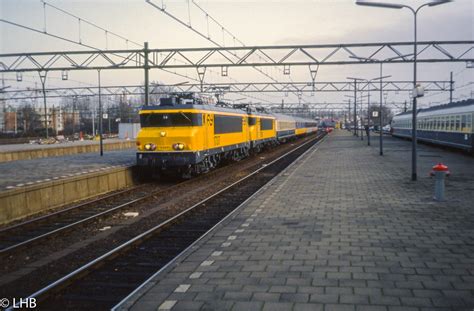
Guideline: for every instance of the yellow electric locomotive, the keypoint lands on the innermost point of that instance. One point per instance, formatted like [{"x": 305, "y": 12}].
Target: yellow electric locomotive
[
  {"x": 184, "y": 136},
  {"x": 181, "y": 135}
]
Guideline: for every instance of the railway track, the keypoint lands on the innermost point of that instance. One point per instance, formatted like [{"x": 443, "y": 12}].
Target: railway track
[
  {"x": 31, "y": 231},
  {"x": 105, "y": 281}
]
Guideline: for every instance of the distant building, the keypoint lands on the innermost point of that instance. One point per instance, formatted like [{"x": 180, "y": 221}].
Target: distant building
[
  {"x": 128, "y": 130},
  {"x": 71, "y": 117},
  {"x": 54, "y": 117},
  {"x": 2, "y": 115},
  {"x": 10, "y": 122}
]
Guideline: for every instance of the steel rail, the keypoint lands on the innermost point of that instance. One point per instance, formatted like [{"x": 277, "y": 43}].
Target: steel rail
[
  {"x": 30, "y": 221},
  {"x": 76, "y": 223},
  {"x": 165, "y": 267},
  {"x": 114, "y": 252}
]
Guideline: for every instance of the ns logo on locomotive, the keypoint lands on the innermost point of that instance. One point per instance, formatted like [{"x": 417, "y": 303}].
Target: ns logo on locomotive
[{"x": 185, "y": 136}]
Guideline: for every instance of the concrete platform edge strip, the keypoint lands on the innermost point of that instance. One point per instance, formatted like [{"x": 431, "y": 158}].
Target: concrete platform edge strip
[
  {"x": 31, "y": 154},
  {"x": 29, "y": 200}
]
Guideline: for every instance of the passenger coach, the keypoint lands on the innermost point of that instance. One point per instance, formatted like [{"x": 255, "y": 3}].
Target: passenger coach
[{"x": 448, "y": 125}]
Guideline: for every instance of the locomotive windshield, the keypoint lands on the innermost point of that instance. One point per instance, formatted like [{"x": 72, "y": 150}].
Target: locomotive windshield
[{"x": 170, "y": 119}]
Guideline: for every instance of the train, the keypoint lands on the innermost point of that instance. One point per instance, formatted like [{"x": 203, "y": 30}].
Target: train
[
  {"x": 187, "y": 136},
  {"x": 449, "y": 125}
]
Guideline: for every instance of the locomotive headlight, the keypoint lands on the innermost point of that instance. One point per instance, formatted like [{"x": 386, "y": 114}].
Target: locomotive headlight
[
  {"x": 162, "y": 134},
  {"x": 150, "y": 147},
  {"x": 178, "y": 146}
]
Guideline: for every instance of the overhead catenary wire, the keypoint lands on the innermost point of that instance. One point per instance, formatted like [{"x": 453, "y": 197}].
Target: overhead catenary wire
[
  {"x": 199, "y": 33},
  {"x": 79, "y": 42},
  {"x": 89, "y": 23}
]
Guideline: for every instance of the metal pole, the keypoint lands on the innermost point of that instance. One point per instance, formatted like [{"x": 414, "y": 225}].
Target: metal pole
[
  {"x": 100, "y": 118},
  {"x": 108, "y": 115},
  {"x": 93, "y": 121},
  {"x": 349, "y": 116},
  {"x": 380, "y": 113},
  {"x": 413, "y": 134},
  {"x": 43, "y": 81},
  {"x": 73, "y": 115},
  {"x": 361, "y": 117},
  {"x": 368, "y": 117},
  {"x": 451, "y": 82},
  {"x": 355, "y": 107},
  {"x": 146, "y": 68}
]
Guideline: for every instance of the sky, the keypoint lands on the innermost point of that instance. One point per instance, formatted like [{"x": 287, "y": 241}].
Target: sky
[{"x": 257, "y": 22}]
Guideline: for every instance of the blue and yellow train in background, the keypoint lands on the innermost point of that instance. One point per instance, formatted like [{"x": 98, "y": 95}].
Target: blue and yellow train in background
[
  {"x": 448, "y": 125},
  {"x": 187, "y": 137}
]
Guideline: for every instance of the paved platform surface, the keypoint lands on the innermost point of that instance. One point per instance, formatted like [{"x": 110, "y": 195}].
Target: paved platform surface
[
  {"x": 23, "y": 147},
  {"x": 25, "y": 172},
  {"x": 342, "y": 229}
]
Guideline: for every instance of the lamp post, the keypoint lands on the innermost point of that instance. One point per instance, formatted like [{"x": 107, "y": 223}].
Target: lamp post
[
  {"x": 355, "y": 103},
  {"x": 100, "y": 117},
  {"x": 368, "y": 95},
  {"x": 355, "y": 110},
  {"x": 381, "y": 90},
  {"x": 42, "y": 75},
  {"x": 369, "y": 81},
  {"x": 414, "y": 110},
  {"x": 100, "y": 102}
]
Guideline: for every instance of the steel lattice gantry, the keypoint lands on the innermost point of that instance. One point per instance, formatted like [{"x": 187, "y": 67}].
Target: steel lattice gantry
[
  {"x": 225, "y": 57},
  {"x": 257, "y": 87}
]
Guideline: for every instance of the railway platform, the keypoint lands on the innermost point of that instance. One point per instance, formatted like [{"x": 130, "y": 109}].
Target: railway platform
[
  {"x": 28, "y": 187},
  {"x": 17, "y": 174},
  {"x": 15, "y": 152},
  {"x": 341, "y": 229}
]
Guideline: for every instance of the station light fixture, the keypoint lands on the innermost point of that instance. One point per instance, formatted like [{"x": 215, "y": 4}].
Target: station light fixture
[
  {"x": 64, "y": 75},
  {"x": 415, "y": 53}
]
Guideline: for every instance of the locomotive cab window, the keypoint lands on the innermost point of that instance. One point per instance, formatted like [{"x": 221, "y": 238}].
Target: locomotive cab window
[
  {"x": 180, "y": 119},
  {"x": 266, "y": 124}
]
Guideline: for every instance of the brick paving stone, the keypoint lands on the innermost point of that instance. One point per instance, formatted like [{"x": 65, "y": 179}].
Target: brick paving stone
[
  {"x": 292, "y": 297},
  {"x": 277, "y": 306},
  {"x": 308, "y": 307},
  {"x": 405, "y": 308},
  {"x": 342, "y": 229},
  {"x": 416, "y": 302},
  {"x": 354, "y": 299},
  {"x": 370, "y": 308},
  {"x": 247, "y": 306},
  {"x": 238, "y": 296},
  {"x": 187, "y": 305},
  {"x": 339, "y": 307},
  {"x": 213, "y": 305},
  {"x": 324, "y": 298},
  {"x": 266, "y": 297}
]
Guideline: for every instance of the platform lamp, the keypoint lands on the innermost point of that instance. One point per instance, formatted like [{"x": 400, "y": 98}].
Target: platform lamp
[
  {"x": 414, "y": 110},
  {"x": 114, "y": 66},
  {"x": 42, "y": 76},
  {"x": 367, "y": 59},
  {"x": 369, "y": 82}
]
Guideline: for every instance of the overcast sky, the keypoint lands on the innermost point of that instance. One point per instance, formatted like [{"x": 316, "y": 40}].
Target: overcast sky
[{"x": 258, "y": 22}]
